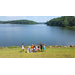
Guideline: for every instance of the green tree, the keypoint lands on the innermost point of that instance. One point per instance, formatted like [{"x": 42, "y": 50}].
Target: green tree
[
  {"x": 19, "y": 22},
  {"x": 63, "y": 21}
]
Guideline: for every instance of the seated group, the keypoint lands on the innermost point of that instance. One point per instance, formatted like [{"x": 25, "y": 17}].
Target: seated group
[{"x": 34, "y": 48}]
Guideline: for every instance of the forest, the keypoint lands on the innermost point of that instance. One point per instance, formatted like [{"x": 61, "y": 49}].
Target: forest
[
  {"x": 18, "y": 22},
  {"x": 64, "y": 21}
]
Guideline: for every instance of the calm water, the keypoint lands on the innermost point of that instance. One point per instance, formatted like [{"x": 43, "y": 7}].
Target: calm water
[{"x": 15, "y": 35}]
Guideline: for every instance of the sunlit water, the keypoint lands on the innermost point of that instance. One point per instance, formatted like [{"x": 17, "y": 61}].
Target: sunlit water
[{"x": 16, "y": 34}]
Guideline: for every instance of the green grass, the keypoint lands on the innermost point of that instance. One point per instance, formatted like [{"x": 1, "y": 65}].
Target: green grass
[{"x": 55, "y": 52}]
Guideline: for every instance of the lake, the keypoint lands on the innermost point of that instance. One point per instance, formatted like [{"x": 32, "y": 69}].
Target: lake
[{"x": 16, "y": 34}]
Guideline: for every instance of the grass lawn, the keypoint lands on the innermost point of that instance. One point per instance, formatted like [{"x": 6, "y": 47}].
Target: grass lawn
[{"x": 56, "y": 52}]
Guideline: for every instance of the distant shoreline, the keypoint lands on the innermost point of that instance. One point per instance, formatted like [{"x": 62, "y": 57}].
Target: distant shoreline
[
  {"x": 46, "y": 46},
  {"x": 21, "y": 22},
  {"x": 18, "y": 22}
]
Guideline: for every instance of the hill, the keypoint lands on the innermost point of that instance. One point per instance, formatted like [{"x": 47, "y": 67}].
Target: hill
[
  {"x": 18, "y": 22},
  {"x": 64, "y": 21}
]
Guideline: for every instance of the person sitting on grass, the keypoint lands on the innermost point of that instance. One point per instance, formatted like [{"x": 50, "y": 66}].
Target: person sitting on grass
[
  {"x": 27, "y": 49},
  {"x": 38, "y": 48},
  {"x": 34, "y": 49}
]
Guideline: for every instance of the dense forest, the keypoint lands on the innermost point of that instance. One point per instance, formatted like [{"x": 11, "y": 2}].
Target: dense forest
[
  {"x": 18, "y": 22},
  {"x": 64, "y": 21}
]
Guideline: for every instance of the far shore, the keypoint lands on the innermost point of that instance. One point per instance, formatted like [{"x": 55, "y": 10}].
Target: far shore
[{"x": 51, "y": 46}]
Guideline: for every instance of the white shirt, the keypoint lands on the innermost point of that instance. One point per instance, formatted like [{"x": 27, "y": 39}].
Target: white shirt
[
  {"x": 36, "y": 46},
  {"x": 22, "y": 46}
]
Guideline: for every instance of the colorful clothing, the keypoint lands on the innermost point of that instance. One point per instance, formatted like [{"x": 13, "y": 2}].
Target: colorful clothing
[
  {"x": 29, "y": 46},
  {"x": 32, "y": 47},
  {"x": 22, "y": 46},
  {"x": 44, "y": 48}
]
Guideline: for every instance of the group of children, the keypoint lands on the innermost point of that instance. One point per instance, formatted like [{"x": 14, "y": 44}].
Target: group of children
[{"x": 34, "y": 48}]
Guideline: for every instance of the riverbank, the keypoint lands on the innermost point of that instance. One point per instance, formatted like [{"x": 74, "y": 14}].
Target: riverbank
[
  {"x": 73, "y": 27},
  {"x": 51, "y": 52},
  {"x": 49, "y": 46}
]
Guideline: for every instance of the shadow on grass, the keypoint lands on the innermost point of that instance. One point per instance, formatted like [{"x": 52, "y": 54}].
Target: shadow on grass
[{"x": 22, "y": 51}]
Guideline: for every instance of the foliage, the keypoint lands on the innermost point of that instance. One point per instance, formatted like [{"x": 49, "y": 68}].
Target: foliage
[
  {"x": 18, "y": 22},
  {"x": 63, "y": 21}
]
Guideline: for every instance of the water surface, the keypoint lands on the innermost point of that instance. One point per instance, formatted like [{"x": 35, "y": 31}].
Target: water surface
[{"x": 16, "y": 34}]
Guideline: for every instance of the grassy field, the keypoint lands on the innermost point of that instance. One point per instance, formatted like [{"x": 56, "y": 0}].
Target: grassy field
[{"x": 55, "y": 52}]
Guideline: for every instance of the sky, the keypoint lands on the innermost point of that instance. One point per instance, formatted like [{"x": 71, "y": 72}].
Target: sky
[{"x": 33, "y": 18}]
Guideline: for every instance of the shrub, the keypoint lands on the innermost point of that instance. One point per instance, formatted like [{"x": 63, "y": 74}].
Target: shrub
[
  {"x": 14, "y": 47},
  {"x": 2, "y": 47},
  {"x": 6, "y": 47},
  {"x": 48, "y": 46},
  {"x": 10, "y": 47},
  {"x": 18, "y": 46}
]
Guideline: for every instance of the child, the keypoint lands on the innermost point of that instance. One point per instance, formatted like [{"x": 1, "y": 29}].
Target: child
[
  {"x": 27, "y": 49},
  {"x": 34, "y": 49},
  {"x": 44, "y": 47},
  {"x": 22, "y": 48},
  {"x": 41, "y": 46},
  {"x": 38, "y": 47}
]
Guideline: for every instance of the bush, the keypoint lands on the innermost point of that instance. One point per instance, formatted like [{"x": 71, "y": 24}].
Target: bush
[
  {"x": 18, "y": 46},
  {"x": 26, "y": 46},
  {"x": 14, "y": 47},
  {"x": 48, "y": 46},
  {"x": 71, "y": 45},
  {"x": 10, "y": 47},
  {"x": 6, "y": 47},
  {"x": 2, "y": 47},
  {"x": 56, "y": 46}
]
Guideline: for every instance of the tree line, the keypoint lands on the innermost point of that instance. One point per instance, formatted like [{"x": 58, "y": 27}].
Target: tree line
[
  {"x": 64, "y": 21},
  {"x": 18, "y": 22}
]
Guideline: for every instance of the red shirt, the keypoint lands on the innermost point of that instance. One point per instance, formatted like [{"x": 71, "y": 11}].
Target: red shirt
[{"x": 32, "y": 47}]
